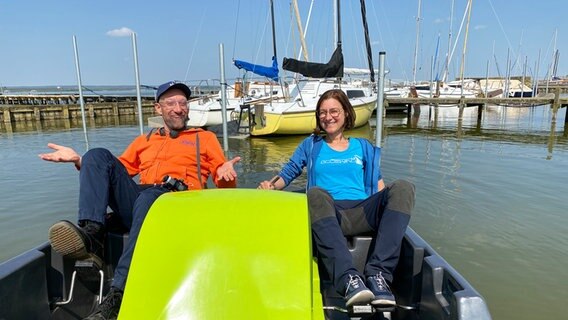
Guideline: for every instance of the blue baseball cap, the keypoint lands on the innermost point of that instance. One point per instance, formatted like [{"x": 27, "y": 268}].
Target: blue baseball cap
[{"x": 163, "y": 88}]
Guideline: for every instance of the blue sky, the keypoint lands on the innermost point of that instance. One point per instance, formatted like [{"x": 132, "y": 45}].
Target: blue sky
[{"x": 180, "y": 39}]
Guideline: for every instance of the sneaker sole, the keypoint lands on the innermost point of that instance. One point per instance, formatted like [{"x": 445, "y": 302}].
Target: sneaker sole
[
  {"x": 383, "y": 303},
  {"x": 361, "y": 298},
  {"x": 66, "y": 240}
]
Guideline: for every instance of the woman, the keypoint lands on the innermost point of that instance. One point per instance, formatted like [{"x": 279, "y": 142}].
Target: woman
[{"x": 347, "y": 196}]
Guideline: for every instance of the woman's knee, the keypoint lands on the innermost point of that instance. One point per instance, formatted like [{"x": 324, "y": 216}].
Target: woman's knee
[
  {"x": 320, "y": 204},
  {"x": 401, "y": 196}
]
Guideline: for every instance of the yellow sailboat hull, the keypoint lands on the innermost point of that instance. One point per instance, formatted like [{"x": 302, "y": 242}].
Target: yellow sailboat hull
[{"x": 301, "y": 122}]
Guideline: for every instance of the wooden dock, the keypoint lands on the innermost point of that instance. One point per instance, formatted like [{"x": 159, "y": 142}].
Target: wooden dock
[
  {"x": 53, "y": 107},
  {"x": 554, "y": 100}
]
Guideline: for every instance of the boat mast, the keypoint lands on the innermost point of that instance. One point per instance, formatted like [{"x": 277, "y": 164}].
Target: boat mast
[
  {"x": 338, "y": 27},
  {"x": 367, "y": 40},
  {"x": 306, "y": 28},
  {"x": 469, "y": 4},
  {"x": 416, "y": 43},
  {"x": 273, "y": 29},
  {"x": 447, "y": 66},
  {"x": 301, "y": 30}
]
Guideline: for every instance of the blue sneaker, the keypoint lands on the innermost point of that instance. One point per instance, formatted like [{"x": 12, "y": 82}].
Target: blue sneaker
[
  {"x": 357, "y": 293},
  {"x": 380, "y": 288}
]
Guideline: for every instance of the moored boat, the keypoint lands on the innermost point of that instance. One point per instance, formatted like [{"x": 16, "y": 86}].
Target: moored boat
[
  {"x": 249, "y": 257},
  {"x": 298, "y": 116},
  {"x": 207, "y": 111}
]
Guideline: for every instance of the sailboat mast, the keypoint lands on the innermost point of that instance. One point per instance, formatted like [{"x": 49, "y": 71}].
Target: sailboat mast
[
  {"x": 339, "y": 27},
  {"x": 273, "y": 29},
  {"x": 367, "y": 40},
  {"x": 301, "y": 30},
  {"x": 416, "y": 43},
  {"x": 338, "y": 24},
  {"x": 469, "y": 4},
  {"x": 306, "y": 27},
  {"x": 447, "y": 66}
]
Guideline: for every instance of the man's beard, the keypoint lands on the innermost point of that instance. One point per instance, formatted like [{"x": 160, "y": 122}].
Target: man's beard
[{"x": 176, "y": 124}]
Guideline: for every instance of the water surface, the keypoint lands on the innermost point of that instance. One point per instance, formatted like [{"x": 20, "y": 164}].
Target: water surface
[{"x": 490, "y": 193}]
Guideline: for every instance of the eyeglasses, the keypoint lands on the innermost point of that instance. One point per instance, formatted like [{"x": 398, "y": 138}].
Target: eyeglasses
[
  {"x": 332, "y": 112},
  {"x": 173, "y": 103}
]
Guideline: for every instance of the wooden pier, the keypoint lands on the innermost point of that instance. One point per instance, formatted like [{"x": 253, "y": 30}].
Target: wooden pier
[
  {"x": 53, "y": 107},
  {"x": 27, "y": 112},
  {"x": 554, "y": 100}
]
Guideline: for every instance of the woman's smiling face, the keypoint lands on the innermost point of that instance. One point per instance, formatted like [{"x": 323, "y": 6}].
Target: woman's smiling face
[{"x": 331, "y": 116}]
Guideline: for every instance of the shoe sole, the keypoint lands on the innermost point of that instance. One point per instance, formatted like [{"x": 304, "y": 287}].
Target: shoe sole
[
  {"x": 66, "y": 239},
  {"x": 361, "y": 298},
  {"x": 383, "y": 303}
]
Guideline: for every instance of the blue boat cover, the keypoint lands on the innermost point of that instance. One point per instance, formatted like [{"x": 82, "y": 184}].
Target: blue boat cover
[{"x": 269, "y": 72}]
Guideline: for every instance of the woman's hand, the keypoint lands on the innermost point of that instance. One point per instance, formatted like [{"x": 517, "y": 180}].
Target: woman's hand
[{"x": 274, "y": 184}]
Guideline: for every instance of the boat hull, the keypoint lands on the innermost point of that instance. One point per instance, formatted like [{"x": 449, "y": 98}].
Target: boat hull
[
  {"x": 293, "y": 122},
  {"x": 271, "y": 266}
]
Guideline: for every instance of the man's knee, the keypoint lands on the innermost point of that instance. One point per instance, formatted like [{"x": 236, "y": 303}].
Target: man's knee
[
  {"x": 96, "y": 155},
  {"x": 320, "y": 204},
  {"x": 401, "y": 196}
]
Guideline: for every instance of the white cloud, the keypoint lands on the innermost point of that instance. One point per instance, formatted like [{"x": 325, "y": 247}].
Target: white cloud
[
  {"x": 439, "y": 20},
  {"x": 479, "y": 27},
  {"x": 122, "y": 32}
]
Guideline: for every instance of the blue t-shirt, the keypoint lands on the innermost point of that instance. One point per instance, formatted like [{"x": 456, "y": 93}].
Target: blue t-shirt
[{"x": 341, "y": 172}]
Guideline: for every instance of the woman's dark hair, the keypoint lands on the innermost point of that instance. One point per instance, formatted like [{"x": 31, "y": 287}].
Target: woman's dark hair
[{"x": 340, "y": 96}]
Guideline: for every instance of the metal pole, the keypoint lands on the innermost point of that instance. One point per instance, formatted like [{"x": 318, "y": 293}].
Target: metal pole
[
  {"x": 380, "y": 99},
  {"x": 138, "y": 96},
  {"x": 77, "y": 68},
  {"x": 223, "y": 97}
]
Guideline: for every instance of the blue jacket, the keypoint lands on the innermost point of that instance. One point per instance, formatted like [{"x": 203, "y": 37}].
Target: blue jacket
[{"x": 306, "y": 153}]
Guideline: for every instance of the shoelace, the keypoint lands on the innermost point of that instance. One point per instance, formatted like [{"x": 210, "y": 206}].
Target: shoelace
[
  {"x": 381, "y": 282},
  {"x": 354, "y": 281},
  {"x": 111, "y": 303}
]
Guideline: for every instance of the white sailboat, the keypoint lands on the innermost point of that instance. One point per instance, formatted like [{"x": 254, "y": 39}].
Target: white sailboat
[{"x": 207, "y": 111}]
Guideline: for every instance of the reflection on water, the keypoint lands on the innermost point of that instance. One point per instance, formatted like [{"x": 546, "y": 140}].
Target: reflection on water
[
  {"x": 11, "y": 128},
  {"x": 490, "y": 192}
]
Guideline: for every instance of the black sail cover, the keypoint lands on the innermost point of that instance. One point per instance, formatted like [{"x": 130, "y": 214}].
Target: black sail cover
[{"x": 334, "y": 68}]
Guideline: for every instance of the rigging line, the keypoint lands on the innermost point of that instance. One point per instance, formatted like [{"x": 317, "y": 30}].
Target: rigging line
[
  {"x": 356, "y": 36},
  {"x": 194, "y": 45},
  {"x": 459, "y": 31},
  {"x": 261, "y": 38},
  {"x": 307, "y": 24},
  {"x": 236, "y": 25},
  {"x": 390, "y": 34},
  {"x": 501, "y": 25}
]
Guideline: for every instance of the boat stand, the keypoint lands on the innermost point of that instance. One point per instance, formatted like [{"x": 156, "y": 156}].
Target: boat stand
[{"x": 245, "y": 129}]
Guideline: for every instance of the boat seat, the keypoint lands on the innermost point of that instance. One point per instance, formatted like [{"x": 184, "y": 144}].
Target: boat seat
[{"x": 223, "y": 254}]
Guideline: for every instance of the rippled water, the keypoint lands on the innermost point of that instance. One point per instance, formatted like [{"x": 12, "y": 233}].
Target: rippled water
[{"x": 490, "y": 193}]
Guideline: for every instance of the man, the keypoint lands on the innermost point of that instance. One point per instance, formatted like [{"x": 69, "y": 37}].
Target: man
[{"x": 173, "y": 151}]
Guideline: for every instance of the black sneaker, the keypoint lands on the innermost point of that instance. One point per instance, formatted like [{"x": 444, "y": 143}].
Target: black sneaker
[
  {"x": 380, "y": 288},
  {"x": 110, "y": 306},
  {"x": 85, "y": 243},
  {"x": 357, "y": 293}
]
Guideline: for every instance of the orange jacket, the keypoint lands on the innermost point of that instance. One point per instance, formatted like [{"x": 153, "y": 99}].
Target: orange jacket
[{"x": 154, "y": 155}]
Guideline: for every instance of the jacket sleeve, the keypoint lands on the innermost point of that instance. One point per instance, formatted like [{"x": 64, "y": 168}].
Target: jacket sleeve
[
  {"x": 130, "y": 157},
  {"x": 297, "y": 162}
]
